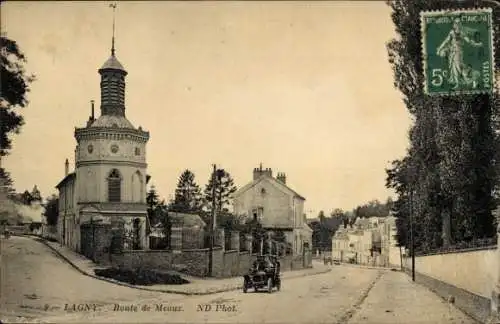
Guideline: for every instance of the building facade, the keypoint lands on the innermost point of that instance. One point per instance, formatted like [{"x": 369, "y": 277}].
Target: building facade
[
  {"x": 370, "y": 241},
  {"x": 107, "y": 189},
  {"x": 277, "y": 207}
]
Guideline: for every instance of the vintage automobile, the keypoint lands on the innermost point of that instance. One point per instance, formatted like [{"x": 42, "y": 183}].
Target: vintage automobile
[{"x": 265, "y": 273}]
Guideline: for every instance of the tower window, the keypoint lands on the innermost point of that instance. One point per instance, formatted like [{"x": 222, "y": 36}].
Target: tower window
[
  {"x": 114, "y": 186},
  {"x": 137, "y": 151}
]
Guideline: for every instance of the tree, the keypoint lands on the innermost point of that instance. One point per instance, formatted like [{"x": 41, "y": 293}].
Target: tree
[
  {"x": 26, "y": 198},
  {"x": 51, "y": 212},
  {"x": 35, "y": 194},
  {"x": 337, "y": 212},
  {"x": 158, "y": 214},
  {"x": 15, "y": 87},
  {"x": 224, "y": 189},
  {"x": 449, "y": 170},
  {"x": 156, "y": 207},
  {"x": 188, "y": 198},
  {"x": 6, "y": 183},
  {"x": 373, "y": 208}
]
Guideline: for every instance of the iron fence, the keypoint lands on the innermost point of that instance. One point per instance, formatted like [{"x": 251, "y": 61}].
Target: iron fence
[{"x": 460, "y": 246}]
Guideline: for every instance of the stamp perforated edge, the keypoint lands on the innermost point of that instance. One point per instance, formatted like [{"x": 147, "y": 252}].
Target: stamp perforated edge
[{"x": 423, "y": 53}]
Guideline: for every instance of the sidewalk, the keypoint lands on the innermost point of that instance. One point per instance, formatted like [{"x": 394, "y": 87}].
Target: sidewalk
[
  {"x": 396, "y": 299},
  {"x": 197, "y": 286}
]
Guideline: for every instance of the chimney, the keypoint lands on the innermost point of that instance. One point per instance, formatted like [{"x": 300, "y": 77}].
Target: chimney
[
  {"x": 66, "y": 168},
  {"x": 92, "y": 116},
  {"x": 269, "y": 172},
  {"x": 256, "y": 173},
  {"x": 281, "y": 177}
]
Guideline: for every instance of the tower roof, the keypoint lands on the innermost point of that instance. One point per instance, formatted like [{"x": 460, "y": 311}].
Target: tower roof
[
  {"x": 113, "y": 64},
  {"x": 112, "y": 121}
]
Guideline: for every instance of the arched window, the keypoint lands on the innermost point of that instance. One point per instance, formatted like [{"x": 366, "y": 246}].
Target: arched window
[
  {"x": 114, "y": 186},
  {"x": 137, "y": 187}
]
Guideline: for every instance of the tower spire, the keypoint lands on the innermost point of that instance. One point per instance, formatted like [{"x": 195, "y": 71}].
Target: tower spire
[{"x": 113, "y": 5}]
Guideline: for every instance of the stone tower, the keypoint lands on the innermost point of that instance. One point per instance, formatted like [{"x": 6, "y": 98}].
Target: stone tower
[{"x": 110, "y": 160}]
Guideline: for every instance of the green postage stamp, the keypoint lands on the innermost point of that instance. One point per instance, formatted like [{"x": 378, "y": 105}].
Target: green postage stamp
[{"x": 457, "y": 51}]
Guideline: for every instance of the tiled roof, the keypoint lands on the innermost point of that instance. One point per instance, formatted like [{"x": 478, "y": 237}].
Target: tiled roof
[
  {"x": 112, "y": 121},
  {"x": 273, "y": 180},
  {"x": 65, "y": 179},
  {"x": 112, "y": 63}
]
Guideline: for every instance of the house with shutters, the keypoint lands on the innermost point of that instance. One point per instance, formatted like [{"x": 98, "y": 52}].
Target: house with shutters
[{"x": 276, "y": 206}]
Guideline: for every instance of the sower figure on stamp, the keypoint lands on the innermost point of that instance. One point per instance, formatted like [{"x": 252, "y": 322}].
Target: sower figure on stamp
[{"x": 452, "y": 46}]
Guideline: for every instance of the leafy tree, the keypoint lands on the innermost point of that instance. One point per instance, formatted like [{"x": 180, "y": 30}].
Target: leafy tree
[
  {"x": 373, "y": 208},
  {"x": 15, "y": 86},
  {"x": 224, "y": 189},
  {"x": 337, "y": 212},
  {"x": 158, "y": 213},
  {"x": 188, "y": 198},
  {"x": 26, "y": 198},
  {"x": 449, "y": 171},
  {"x": 35, "y": 194},
  {"x": 156, "y": 207},
  {"x": 51, "y": 212},
  {"x": 6, "y": 183}
]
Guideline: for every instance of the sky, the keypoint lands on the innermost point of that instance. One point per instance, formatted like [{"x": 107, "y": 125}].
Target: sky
[{"x": 304, "y": 88}]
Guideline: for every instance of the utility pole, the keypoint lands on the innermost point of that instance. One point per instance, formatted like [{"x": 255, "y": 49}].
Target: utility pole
[
  {"x": 213, "y": 224},
  {"x": 412, "y": 236}
]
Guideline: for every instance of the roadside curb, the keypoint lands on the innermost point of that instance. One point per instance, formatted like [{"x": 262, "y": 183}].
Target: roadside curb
[
  {"x": 370, "y": 267},
  {"x": 166, "y": 291}
]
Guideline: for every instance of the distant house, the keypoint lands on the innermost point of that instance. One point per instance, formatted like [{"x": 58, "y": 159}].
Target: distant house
[
  {"x": 370, "y": 241},
  {"x": 276, "y": 206}
]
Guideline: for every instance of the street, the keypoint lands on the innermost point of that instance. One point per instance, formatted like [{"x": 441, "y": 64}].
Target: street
[{"x": 38, "y": 286}]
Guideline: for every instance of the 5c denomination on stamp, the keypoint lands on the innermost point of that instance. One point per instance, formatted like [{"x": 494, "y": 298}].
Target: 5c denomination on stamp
[{"x": 457, "y": 48}]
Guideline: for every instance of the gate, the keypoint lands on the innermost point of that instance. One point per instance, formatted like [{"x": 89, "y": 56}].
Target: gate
[{"x": 87, "y": 240}]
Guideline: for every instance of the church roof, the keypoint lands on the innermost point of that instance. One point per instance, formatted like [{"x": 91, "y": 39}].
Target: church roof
[
  {"x": 112, "y": 121},
  {"x": 112, "y": 63}
]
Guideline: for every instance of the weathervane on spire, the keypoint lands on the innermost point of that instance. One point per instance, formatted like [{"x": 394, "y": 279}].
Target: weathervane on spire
[{"x": 113, "y": 5}]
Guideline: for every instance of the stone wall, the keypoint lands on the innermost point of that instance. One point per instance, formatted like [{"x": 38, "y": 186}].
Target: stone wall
[
  {"x": 218, "y": 263},
  {"x": 192, "y": 238},
  {"x": 472, "y": 270},
  {"x": 231, "y": 260},
  {"x": 468, "y": 275},
  {"x": 193, "y": 262},
  {"x": 245, "y": 262},
  {"x": 150, "y": 259}
]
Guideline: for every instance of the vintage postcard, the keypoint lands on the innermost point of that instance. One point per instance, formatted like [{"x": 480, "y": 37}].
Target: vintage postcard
[{"x": 249, "y": 162}]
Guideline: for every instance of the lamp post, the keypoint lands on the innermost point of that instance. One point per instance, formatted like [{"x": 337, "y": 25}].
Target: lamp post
[{"x": 213, "y": 220}]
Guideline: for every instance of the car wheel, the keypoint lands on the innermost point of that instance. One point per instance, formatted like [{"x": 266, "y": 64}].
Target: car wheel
[
  {"x": 269, "y": 285},
  {"x": 278, "y": 286},
  {"x": 245, "y": 289}
]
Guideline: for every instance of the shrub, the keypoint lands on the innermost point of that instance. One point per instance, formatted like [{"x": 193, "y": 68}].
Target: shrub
[{"x": 143, "y": 277}]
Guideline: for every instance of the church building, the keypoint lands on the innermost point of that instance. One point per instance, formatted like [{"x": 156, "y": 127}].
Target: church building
[{"x": 106, "y": 192}]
